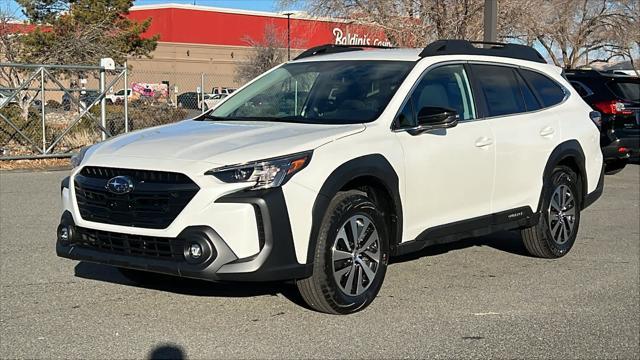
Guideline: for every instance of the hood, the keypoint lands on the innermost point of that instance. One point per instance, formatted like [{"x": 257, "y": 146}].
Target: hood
[{"x": 223, "y": 142}]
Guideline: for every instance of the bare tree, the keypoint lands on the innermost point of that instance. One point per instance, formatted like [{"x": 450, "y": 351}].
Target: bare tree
[
  {"x": 415, "y": 23},
  {"x": 624, "y": 41},
  {"x": 266, "y": 54},
  {"x": 569, "y": 31}
]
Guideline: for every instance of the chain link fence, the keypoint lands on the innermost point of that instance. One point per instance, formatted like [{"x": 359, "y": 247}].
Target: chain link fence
[{"x": 54, "y": 110}]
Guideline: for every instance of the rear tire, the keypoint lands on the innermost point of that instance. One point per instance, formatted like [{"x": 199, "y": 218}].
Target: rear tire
[
  {"x": 555, "y": 233},
  {"x": 347, "y": 274}
]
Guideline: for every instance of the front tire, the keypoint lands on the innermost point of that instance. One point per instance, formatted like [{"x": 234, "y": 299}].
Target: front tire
[
  {"x": 350, "y": 258},
  {"x": 555, "y": 233}
]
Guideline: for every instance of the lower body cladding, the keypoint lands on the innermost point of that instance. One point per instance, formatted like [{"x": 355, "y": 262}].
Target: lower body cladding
[{"x": 198, "y": 251}]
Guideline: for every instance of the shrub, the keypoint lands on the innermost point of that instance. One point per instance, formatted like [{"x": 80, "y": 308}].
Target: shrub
[{"x": 52, "y": 104}]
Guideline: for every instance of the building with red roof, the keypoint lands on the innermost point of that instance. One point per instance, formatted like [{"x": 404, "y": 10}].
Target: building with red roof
[{"x": 213, "y": 41}]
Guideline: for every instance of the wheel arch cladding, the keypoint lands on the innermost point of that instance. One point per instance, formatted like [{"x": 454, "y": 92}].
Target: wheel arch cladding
[
  {"x": 372, "y": 174},
  {"x": 568, "y": 153}
]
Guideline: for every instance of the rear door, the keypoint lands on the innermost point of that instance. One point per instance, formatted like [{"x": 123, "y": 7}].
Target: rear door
[{"x": 526, "y": 130}]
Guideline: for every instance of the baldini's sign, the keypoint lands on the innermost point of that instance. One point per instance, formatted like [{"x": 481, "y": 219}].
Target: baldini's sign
[{"x": 357, "y": 39}]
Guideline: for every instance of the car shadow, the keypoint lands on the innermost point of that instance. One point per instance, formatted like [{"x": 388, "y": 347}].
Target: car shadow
[
  {"x": 191, "y": 287},
  {"x": 167, "y": 351},
  {"x": 507, "y": 241}
]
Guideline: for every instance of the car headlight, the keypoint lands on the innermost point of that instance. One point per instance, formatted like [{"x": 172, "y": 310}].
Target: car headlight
[
  {"x": 76, "y": 159},
  {"x": 263, "y": 174}
]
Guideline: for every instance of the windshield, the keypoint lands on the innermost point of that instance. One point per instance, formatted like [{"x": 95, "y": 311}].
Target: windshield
[
  {"x": 327, "y": 92},
  {"x": 626, "y": 89}
]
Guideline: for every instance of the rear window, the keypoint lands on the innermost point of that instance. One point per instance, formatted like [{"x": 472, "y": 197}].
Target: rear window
[
  {"x": 548, "y": 91},
  {"x": 627, "y": 90},
  {"x": 581, "y": 88}
]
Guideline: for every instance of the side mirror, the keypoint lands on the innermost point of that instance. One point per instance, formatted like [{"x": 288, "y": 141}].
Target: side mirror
[
  {"x": 434, "y": 117},
  {"x": 437, "y": 117}
]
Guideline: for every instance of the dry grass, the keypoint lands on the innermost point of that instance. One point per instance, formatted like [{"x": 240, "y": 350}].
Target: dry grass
[{"x": 40, "y": 164}]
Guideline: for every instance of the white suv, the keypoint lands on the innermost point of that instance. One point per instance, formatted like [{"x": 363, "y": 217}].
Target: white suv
[{"x": 322, "y": 168}]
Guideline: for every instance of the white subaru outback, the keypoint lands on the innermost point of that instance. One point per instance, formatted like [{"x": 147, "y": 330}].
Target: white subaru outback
[{"x": 322, "y": 168}]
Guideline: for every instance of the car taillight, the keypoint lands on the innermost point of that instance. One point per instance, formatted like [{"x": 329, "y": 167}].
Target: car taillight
[
  {"x": 596, "y": 117},
  {"x": 612, "y": 107}
]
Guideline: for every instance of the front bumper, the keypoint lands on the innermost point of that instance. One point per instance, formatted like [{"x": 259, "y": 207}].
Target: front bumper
[{"x": 276, "y": 259}]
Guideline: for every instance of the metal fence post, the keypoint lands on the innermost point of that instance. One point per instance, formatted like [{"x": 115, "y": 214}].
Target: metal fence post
[
  {"x": 126, "y": 98},
  {"x": 103, "y": 104},
  {"x": 202, "y": 92},
  {"x": 42, "y": 101}
]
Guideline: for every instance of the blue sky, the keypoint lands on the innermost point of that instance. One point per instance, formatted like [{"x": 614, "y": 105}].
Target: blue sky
[{"x": 260, "y": 5}]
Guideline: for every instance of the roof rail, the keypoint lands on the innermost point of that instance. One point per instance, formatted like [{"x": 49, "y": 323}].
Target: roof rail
[
  {"x": 464, "y": 47},
  {"x": 335, "y": 48}
]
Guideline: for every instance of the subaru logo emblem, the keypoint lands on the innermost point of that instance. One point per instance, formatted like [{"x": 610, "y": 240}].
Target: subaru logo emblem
[{"x": 120, "y": 185}]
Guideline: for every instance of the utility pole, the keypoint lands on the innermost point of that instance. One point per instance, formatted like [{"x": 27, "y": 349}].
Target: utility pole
[
  {"x": 288, "y": 34},
  {"x": 490, "y": 21}
]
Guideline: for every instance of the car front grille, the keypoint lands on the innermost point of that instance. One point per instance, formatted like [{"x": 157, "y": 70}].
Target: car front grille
[
  {"x": 132, "y": 245},
  {"x": 156, "y": 200}
]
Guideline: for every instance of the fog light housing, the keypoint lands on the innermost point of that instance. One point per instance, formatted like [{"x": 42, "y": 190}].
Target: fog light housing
[
  {"x": 197, "y": 248},
  {"x": 65, "y": 233},
  {"x": 195, "y": 251}
]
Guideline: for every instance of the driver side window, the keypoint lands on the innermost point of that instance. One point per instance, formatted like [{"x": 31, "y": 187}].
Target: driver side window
[{"x": 444, "y": 87}]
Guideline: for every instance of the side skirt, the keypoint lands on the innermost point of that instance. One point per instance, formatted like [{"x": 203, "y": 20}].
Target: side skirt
[{"x": 483, "y": 225}]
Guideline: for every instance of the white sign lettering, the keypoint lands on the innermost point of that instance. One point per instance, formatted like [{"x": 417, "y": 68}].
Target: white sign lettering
[{"x": 357, "y": 39}]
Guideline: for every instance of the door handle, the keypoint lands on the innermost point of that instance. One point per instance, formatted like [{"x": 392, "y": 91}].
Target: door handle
[
  {"x": 548, "y": 131},
  {"x": 484, "y": 142}
]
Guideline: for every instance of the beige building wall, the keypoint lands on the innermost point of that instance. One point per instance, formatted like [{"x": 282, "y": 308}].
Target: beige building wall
[
  {"x": 184, "y": 65},
  {"x": 218, "y": 63}
]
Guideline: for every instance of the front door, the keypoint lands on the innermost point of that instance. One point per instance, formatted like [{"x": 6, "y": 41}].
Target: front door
[{"x": 448, "y": 172}]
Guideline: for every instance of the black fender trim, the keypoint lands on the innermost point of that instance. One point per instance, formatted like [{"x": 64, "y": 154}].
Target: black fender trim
[
  {"x": 595, "y": 194},
  {"x": 64, "y": 184},
  {"x": 567, "y": 149},
  {"x": 373, "y": 165}
]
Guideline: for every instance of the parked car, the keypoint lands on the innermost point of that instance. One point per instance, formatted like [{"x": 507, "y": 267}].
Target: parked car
[
  {"x": 211, "y": 101},
  {"x": 188, "y": 100},
  {"x": 323, "y": 168},
  {"x": 87, "y": 97},
  {"x": 617, "y": 98},
  {"x": 118, "y": 96},
  {"x": 222, "y": 90}
]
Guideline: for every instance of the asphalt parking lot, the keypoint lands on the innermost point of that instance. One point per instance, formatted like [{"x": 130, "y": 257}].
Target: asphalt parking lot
[{"x": 480, "y": 298}]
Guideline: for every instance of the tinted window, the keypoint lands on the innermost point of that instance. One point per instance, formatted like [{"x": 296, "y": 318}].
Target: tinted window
[
  {"x": 447, "y": 87},
  {"x": 501, "y": 89},
  {"x": 548, "y": 91},
  {"x": 323, "y": 92},
  {"x": 530, "y": 100},
  {"x": 406, "y": 117},
  {"x": 626, "y": 90},
  {"x": 582, "y": 89}
]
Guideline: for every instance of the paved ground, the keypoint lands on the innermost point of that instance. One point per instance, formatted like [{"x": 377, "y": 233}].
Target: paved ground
[{"x": 480, "y": 298}]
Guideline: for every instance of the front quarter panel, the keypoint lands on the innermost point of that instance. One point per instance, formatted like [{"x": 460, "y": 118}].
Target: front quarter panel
[{"x": 320, "y": 181}]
